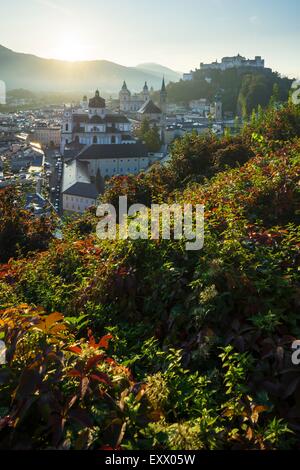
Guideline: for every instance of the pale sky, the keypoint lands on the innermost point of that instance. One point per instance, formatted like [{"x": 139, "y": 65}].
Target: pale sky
[{"x": 177, "y": 33}]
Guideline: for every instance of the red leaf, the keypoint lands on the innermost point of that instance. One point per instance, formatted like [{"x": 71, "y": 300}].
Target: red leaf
[
  {"x": 93, "y": 361},
  {"x": 103, "y": 378},
  {"x": 103, "y": 343},
  {"x": 74, "y": 373},
  {"x": 75, "y": 349}
]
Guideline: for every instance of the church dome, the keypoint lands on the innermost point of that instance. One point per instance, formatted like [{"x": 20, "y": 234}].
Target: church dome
[
  {"x": 124, "y": 90},
  {"x": 97, "y": 101}
]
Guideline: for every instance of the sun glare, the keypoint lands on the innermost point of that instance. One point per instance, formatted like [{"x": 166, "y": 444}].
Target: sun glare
[{"x": 71, "y": 48}]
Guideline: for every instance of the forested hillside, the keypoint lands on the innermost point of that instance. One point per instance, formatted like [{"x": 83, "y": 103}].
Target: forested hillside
[
  {"x": 144, "y": 345},
  {"x": 241, "y": 90}
]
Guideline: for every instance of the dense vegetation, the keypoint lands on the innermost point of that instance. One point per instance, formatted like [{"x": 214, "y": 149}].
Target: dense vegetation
[
  {"x": 150, "y": 135},
  {"x": 155, "y": 347},
  {"x": 241, "y": 90}
]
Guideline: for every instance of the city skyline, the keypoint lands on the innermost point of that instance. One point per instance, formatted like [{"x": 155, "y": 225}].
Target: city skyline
[{"x": 176, "y": 35}]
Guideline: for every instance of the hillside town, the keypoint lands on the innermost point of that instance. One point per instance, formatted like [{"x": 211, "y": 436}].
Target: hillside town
[{"x": 64, "y": 155}]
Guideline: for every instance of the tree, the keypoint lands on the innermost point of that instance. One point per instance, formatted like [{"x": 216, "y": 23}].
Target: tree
[
  {"x": 150, "y": 135},
  {"x": 20, "y": 231},
  {"x": 152, "y": 139},
  {"x": 145, "y": 127},
  {"x": 275, "y": 98},
  {"x": 99, "y": 182}
]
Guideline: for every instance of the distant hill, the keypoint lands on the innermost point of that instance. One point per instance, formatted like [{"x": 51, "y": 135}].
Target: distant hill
[
  {"x": 159, "y": 70},
  {"x": 37, "y": 74},
  {"x": 241, "y": 90}
]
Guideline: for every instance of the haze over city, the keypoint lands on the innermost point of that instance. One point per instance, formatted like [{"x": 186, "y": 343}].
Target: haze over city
[{"x": 173, "y": 33}]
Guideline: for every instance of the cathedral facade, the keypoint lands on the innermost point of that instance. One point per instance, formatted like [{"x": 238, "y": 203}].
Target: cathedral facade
[
  {"x": 94, "y": 125},
  {"x": 131, "y": 103}
]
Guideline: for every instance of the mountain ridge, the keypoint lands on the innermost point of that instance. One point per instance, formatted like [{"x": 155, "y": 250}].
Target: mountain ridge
[{"x": 21, "y": 70}]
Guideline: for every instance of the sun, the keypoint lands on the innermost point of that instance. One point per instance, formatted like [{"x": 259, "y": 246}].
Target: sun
[{"x": 71, "y": 48}]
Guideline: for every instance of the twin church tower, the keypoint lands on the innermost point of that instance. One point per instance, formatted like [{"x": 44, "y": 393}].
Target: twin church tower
[{"x": 133, "y": 103}]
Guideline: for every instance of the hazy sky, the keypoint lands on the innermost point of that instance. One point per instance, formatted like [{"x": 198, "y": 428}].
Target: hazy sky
[{"x": 176, "y": 33}]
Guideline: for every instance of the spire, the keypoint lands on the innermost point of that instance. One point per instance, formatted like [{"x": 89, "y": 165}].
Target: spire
[
  {"x": 97, "y": 94},
  {"x": 124, "y": 87},
  {"x": 146, "y": 86},
  {"x": 163, "y": 86}
]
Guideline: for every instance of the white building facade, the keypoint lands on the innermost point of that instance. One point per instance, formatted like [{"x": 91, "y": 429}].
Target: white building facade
[
  {"x": 234, "y": 62},
  {"x": 131, "y": 103},
  {"x": 94, "y": 125}
]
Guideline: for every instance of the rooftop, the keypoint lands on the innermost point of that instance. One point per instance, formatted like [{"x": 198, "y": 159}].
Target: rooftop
[
  {"x": 87, "y": 190},
  {"x": 97, "y": 101},
  {"x": 149, "y": 108},
  {"x": 110, "y": 151}
]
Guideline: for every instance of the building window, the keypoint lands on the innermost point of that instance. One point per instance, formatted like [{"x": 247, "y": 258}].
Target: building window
[
  {"x": 67, "y": 127},
  {"x": 95, "y": 140},
  {"x": 113, "y": 140}
]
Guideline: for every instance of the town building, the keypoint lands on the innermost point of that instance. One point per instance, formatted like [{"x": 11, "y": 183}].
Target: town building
[
  {"x": 131, "y": 103},
  {"x": 188, "y": 77},
  {"x": 149, "y": 111},
  {"x": 201, "y": 106},
  {"x": 29, "y": 158},
  {"x": 94, "y": 125},
  {"x": 153, "y": 113},
  {"x": 234, "y": 62},
  {"x": 112, "y": 160},
  {"x": 96, "y": 145},
  {"x": 78, "y": 192},
  {"x": 216, "y": 109},
  {"x": 47, "y": 136}
]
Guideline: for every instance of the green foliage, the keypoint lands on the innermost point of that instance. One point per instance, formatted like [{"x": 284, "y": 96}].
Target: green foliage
[
  {"x": 20, "y": 231},
  {"x": 150, "y": 135},
  {"x": 242, "y": 90},
  {"x": 196, "y": 352}
]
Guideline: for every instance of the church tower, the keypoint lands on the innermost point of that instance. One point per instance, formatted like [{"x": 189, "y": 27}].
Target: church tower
[
  {"x": 163, "y": 98},
  {"x": 163, "y": 107},
  {"x": 84, "y": 103},
  {"x": 66, "y": 129},
  {"x": 97, "y": 106},
  {"x": 218, "y": 108},
  {"x": 145, "y": 92},
  {"x": 124, "y": 97}
]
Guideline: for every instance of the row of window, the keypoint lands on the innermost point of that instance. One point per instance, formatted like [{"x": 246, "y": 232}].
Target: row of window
[
  {"x": 121, "y": 170},
  {"x": 102, "y": 128},
  {"x": 78, "y": 199}
]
